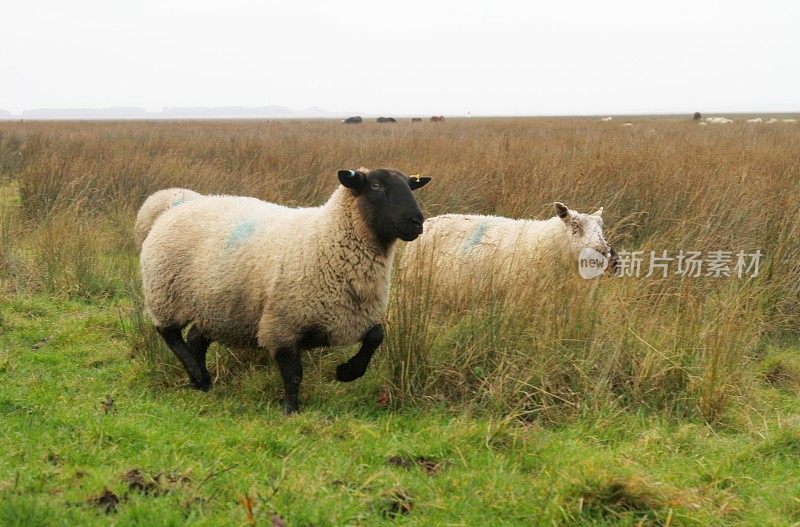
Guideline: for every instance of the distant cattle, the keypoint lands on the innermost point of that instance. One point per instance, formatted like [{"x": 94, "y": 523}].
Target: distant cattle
[
  {"x": 437, "y": 118},
  {"x": 416, "y": 120},
  {"x": 386, "y": 120},
  {"x": 356, "y": 119},
  {"x": 697, "y": 116}
]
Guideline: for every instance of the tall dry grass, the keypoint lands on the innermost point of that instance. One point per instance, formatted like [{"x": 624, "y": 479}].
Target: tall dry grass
[{"x": 681, "y": 346}]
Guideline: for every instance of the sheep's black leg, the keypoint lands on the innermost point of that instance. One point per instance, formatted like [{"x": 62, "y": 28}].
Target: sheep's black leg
[
  {"x": 292, "y": 372},
  {"x": 357, "y": 365},
  {"x": 198, "y": 346},
  {"x": 197, "y": 375}
]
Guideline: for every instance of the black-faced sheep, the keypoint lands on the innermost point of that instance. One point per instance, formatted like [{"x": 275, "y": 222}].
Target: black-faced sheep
[{"x": 249, "y": 273}]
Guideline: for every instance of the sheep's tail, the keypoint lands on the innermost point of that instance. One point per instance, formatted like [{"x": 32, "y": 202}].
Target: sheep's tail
[{"x": 155, "y": 205}]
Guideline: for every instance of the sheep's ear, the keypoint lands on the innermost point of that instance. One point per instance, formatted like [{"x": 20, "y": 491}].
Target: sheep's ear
[
  {"x": 351, "y": 178},
  {"x": 562, "y": 211},
  {"x": 416, "y": 181},
  {"x": 598, "y": 212}
]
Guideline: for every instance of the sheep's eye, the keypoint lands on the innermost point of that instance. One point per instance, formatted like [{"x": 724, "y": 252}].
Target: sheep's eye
[{"x": 376, "y": 186}]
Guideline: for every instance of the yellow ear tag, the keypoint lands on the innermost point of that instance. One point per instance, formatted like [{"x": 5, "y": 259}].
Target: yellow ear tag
[{"x": 415, "y": 177}]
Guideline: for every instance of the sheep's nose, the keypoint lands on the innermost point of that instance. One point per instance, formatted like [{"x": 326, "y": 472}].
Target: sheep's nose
[
  {"x": 613, "y": 259},
  {"x": 416, "y": 221}
]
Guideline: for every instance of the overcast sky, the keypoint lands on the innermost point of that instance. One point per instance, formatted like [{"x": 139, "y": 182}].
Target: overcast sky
[{"x": 407, "y": 57}]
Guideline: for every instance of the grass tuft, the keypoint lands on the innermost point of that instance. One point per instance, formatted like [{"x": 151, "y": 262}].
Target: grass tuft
[
  {"x": 782, "y": 370},
  {"x": 613, "y": 497}
]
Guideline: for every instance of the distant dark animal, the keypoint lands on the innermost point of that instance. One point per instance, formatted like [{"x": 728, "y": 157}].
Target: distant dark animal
[
  {"x": 386, "y": 120},
  {"x": 437, "y": 118},
  {"x": 416, "y": 120},
  {"x": 356, "y": 119},
  {"x": 697, "y": 116}
]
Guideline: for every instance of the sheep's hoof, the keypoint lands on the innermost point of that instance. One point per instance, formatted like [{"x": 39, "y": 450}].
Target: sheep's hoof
[
  {"x": 203, "y": 383},
  {"x": 346, "y": 373},
  {"x": 291, "y": 408}
]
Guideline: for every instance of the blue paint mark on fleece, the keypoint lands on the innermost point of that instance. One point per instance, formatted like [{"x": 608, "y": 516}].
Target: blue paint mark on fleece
[
  {"x": 240, "y": 233},
  {"x": 179, "y": 201},
  {"x": 476, "y": 236}
]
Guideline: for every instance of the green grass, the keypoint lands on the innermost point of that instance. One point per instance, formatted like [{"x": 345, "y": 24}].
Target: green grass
[
  {"x": 77, "y": 413},
  {"x": 648, "y": 402}
]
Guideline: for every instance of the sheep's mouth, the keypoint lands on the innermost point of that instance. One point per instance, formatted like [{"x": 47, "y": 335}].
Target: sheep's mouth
[
  {"x": 613, "y": 261},
  {"x": 410, "y": 230}
]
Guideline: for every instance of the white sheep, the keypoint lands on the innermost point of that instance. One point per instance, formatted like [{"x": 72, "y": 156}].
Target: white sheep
[
  {"x": 606, "y": 119},
  {"x": 467, "y": 251},
  {"x": 154, "y": 205},
  {"x": 626, "y": 125},
  {"x": 772, "y": 121},
  {"x": 789, "y": 121},
  {"x": 702, "y": 124},
  {"x": 720, "y": 120},
  {"x": 248, "y": 273},
  {"x": 754, "y": 121}
]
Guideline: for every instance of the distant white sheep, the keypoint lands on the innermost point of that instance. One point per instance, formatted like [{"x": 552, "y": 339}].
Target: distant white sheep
[
  {"x": 754, "y": 121},
  {"x": 720, "y": 120},
  {"x": 626, "y": 125},
  {"x": 606, "y": 119},
  {"x": 772, "y": 121},
  {"x": 789, "y": 121},
  {"x": 466, "y": 251},
  {"x": 702, "y": 124}
]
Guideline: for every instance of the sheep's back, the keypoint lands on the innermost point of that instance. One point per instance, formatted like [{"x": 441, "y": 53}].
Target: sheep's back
[
  {"x": 468, "y": 238},
  {"x": 154, "y": 206},
  {"x": 461, "y": 252},
  {"x": 206, "y": 262}
]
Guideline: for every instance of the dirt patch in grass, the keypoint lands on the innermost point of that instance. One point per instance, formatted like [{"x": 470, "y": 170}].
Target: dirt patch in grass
[
  {"x": 139, "y": 481},
  {"x": 107, "y": 405},
  {"x": 396, "y": 502},
  {"x": 430, "y": 465},
  {"x": 275, "y": 520},
  {"x": 107, "y": 501},
  {"x": 615, "y": 496}
]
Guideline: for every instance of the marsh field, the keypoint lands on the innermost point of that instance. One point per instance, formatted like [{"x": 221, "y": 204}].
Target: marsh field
[{"x": 649, "y": 400}]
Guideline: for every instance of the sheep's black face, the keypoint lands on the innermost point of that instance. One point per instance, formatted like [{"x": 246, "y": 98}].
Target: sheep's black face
[{"x": 386, "y": 201}]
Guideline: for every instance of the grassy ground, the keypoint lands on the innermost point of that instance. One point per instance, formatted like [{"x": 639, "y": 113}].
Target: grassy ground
[
  {"x": 660, "y": 400},
  {"x": 90, "y": 437}
]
